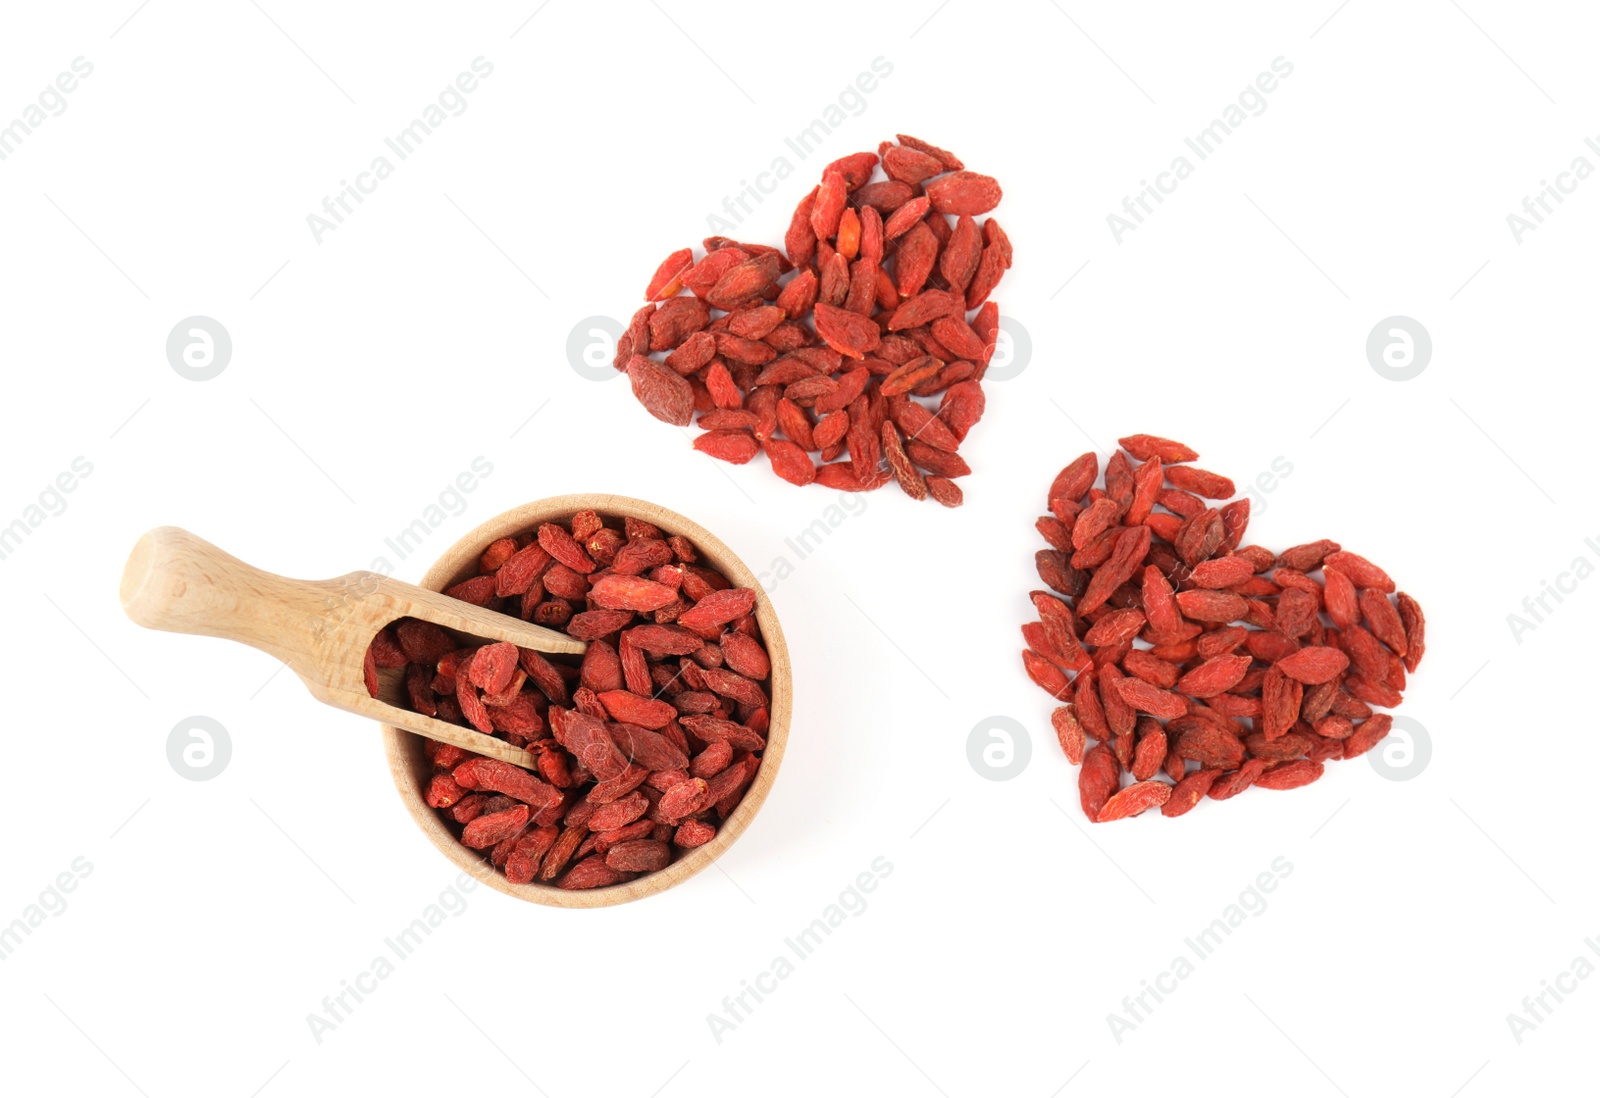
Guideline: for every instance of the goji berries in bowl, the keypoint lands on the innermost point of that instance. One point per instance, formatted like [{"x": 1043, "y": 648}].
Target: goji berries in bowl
[{"x": 654, "y": 752}]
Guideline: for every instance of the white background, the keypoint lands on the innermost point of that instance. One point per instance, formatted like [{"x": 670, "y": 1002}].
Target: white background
[{"x": 369, "y": 370}]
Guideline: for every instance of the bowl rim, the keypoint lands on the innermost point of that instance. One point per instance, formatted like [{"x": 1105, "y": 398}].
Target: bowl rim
[{"x": 400, "y": 747}]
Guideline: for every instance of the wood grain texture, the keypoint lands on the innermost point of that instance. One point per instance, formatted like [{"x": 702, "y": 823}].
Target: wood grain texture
[{"x": 411, "y": 770}]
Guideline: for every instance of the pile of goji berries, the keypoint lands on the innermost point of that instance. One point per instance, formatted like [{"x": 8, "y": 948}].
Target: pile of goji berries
[
  {"x": 1172, "y": 645},
  {"x": 829, "y": 346},
  {"x": 643, "y": 748}
]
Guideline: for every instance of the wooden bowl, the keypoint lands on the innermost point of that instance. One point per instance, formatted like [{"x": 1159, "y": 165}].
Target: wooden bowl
[{"x": 410, "y": 767}]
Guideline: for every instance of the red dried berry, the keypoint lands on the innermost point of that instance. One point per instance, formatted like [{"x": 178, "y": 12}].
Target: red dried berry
[
  {"x": 1134, "y": 800},
  {"x": 964, "y": 193},
  {"x": 664, "y": 394}
]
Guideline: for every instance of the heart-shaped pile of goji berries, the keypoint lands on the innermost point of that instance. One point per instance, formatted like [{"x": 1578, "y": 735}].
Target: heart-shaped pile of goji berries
[
  {"x": 1189, "y": 656},
  {"x": 829, "y": 346},
  {"x": 642, "y": 750}
]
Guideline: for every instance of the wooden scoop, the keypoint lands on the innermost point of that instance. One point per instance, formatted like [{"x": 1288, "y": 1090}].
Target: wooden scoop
[{"x": 179, "y": 583}]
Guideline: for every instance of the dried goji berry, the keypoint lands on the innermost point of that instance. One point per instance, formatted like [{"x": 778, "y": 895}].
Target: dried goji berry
[
  {"x": 1134, "y": 800},
  {"x": 964, "y": 192},
  {"x": 693, "y": 833}
]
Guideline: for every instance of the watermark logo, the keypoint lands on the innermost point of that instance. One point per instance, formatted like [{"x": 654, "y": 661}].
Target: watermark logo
[
  {"x": 338, "y": 1007},
  {"x": 51, "y": 103},
  {"x": 1013, "y": 350},
  {"x": 1265, "y": 483},
  {"x": 50, "y": 502},
  {"x": 52, "y": 900},
  {"x": 1138, "y": 1007},
  {"x": 999, "y": 748},
  {"x": 1537, "y": 1008},
  {"x": 803, "y": 543},
  {"x": 850, "y": 903},
  {"x": 1399, "y": 348},
  {"x": 1138, "y": 207},
  {"x": 850, "y": 102},
  {"x": 1535, "y": 608},
  {"x": 449, "y": 503},
  {"x": 1404, "y": 752},
  {"x": 592, "y": 347},
  {"x": 199, "y": 348},
  {"x": 451, "y": 102},
  {"x": 198, "y": 748},
  {"x": 1537, "y": 206}
]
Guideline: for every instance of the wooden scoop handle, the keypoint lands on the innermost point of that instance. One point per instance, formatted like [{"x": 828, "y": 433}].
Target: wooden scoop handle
[{"x": 179, "y": 583}]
